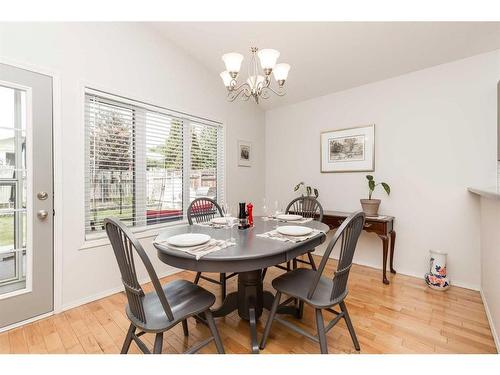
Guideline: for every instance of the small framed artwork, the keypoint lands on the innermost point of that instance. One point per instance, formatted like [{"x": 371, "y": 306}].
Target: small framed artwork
[
  {"x": 244, "y": 154},
  {"x": 348, "y": 150}
]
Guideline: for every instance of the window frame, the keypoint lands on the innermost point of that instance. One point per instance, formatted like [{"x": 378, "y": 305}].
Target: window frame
[{"x": 99, "y": 238}]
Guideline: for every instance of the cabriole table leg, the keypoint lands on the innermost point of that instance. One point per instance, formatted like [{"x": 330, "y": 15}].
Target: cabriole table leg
[
  {"x": 393, "y": 242},
  {"x": 385, "y": 249}
]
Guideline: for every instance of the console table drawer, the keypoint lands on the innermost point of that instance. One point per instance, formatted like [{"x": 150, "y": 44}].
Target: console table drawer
[
  {"x": 370, "y": 226},
  {"x": 333, "y": 222},
  {"x": 375, "y": 226}
]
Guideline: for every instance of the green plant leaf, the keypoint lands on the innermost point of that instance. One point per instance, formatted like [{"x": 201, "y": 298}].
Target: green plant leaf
[
  {"x": 309, "y": 190},
  {"x": 369, "y": 177},
  {"x": 316, "y": 192},
  {"x": 386, "y": 187},
  {"x": 297, "y": 187},
  {"x": 371, "y": 185}
]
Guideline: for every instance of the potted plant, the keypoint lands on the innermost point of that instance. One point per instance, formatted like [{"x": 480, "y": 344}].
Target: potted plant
[
  {"x": 370, "y": 206},
  {"x": 308, "y": 190}
]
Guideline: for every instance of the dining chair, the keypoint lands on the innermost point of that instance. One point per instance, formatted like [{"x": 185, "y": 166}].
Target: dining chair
[
  {"x": 158, "y": 311},
  {"x": 320, "y": 292},
  {"x": 202, "y": 210},
  {"x": 308, "y": 207}
]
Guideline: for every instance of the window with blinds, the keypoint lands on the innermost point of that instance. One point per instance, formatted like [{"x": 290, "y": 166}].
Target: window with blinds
[{"x": 145, "y": 164}]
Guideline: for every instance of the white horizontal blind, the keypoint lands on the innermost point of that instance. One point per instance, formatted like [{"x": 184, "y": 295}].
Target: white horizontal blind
[
  {"x": 110, "y": 177},
  {"x": 136, "y": 162},
  {"x": 203, "y": 166},
  {"x": 221, "y": 166}
]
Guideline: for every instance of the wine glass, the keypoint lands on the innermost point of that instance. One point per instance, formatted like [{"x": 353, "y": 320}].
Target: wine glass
[
  {"x": 226, "y": 211},
  {"x": 265, "y": 209},
  {"x": 277, "y": 208}
]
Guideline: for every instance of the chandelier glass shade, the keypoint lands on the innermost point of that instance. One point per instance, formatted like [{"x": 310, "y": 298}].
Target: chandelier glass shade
[{"x": 258, "y": 83}]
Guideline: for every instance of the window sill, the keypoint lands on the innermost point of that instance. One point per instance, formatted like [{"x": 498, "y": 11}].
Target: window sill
[{"x": 101, "y": 240}]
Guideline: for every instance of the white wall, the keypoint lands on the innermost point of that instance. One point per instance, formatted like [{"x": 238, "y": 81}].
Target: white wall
[
  {"x": 132, "y": 60},
  {"x": 435, "y": 135},
  {"x": 490, "y": 259}
]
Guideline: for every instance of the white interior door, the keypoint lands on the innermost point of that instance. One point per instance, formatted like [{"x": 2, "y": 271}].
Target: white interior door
[{"x": 26, "y": 195}]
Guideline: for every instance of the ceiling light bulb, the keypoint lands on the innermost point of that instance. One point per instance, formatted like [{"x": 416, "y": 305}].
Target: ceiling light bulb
[
  {"x": 226, "y": 78},
  {"x": 233, "y": 62},
  {"x": 254, "y": 82},
  {"x": 280, "y": 71},
  {"x": 268, "y": 58}
]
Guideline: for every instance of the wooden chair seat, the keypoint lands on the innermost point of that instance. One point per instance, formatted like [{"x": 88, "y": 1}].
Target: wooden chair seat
[
  {"x": 297, "y": 283},
  {"x": 185, "y": 299}
]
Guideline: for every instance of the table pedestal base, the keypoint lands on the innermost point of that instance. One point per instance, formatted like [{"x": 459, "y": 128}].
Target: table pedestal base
[{"x": 250, "y": 300}]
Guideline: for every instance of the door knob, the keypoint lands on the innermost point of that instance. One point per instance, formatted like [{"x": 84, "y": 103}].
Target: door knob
[
  {"x": 42, "y": 214},
  {"x": 42, "y": 195}
]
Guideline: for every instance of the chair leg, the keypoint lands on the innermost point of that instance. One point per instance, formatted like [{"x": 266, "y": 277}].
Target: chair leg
[
  {"x": 264, "y": 273},
  {"x": 320, "y": 324},
  {"x": 350, "y": 327},
  {"x": 185, "y": 327},
  {"x": 158, "y": 343},
  {"x": 215, "y": 332},
  {"x": 288, "y": 268},
  {"x": 301, "y": 310},
  {"x": 197, "y": 278},
  {"x": 223, "y": 285},
  {"x": 294, "y": 264},
  {"x": 311, "y": 260},
  {"x": 128, "y": 339},
  {"x": 270, "y": 319}
]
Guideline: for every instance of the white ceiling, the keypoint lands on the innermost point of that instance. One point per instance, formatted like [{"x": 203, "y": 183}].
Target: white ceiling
[{"x": 332, "y": 56}]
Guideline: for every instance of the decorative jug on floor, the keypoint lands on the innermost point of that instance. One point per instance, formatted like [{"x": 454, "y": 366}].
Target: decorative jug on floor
[{"x": 436, "y": 277}]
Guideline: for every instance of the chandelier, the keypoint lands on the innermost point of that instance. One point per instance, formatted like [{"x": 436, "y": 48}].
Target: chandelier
[{"x": 257, "y": 85}]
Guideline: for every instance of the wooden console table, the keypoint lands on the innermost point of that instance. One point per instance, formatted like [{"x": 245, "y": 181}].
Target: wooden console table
[{"x": 382, "y": 227}]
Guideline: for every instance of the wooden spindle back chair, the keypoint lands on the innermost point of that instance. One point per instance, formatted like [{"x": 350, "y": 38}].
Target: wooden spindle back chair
[
  {"x": 166, "y": 306},
  {"x": 319, "y": 291}
]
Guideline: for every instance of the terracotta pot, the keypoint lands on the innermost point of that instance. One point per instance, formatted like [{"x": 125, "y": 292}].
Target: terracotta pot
[{"x": 370, "y": 206}]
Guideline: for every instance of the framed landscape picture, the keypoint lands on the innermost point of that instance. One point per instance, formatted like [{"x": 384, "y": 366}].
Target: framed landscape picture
[
  {"x": 348, "y": 150},
  {"x": 244, "y": 154}
]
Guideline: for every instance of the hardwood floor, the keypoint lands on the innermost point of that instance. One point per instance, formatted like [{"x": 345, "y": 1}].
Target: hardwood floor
[{"x": 403, "y": 317}]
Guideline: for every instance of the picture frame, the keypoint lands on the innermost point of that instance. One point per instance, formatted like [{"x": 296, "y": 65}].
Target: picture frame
[
  {"x": 348, "y": 150},
  {"x": 244, "y": 153}
]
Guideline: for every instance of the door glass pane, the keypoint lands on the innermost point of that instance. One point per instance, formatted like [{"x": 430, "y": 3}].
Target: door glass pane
[
  {"x": 7, "y": 231},
  {"x": 7, "y": 266},
  {"x": 12, "y": 189}
]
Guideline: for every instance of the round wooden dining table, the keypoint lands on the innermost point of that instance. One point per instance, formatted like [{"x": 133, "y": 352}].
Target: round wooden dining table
[{"x": 249, "y": 257}]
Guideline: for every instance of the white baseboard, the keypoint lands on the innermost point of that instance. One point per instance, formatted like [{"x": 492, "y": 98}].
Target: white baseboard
[
  {"x": 109, "y": 292},
  {"x": 83, "y": 301},
  {"x": 30, "y": 320},
  {"x": 459, "y": 284},
  {"x": 490, "y": 321}
]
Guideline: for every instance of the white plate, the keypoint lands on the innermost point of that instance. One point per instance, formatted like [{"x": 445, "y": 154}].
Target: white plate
[
  {"x": 221, "y": 220},
  {"x": 294, "y": 230},
  {"x": 288, "y": 217},
  {"x": 188, "y": 239}
]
